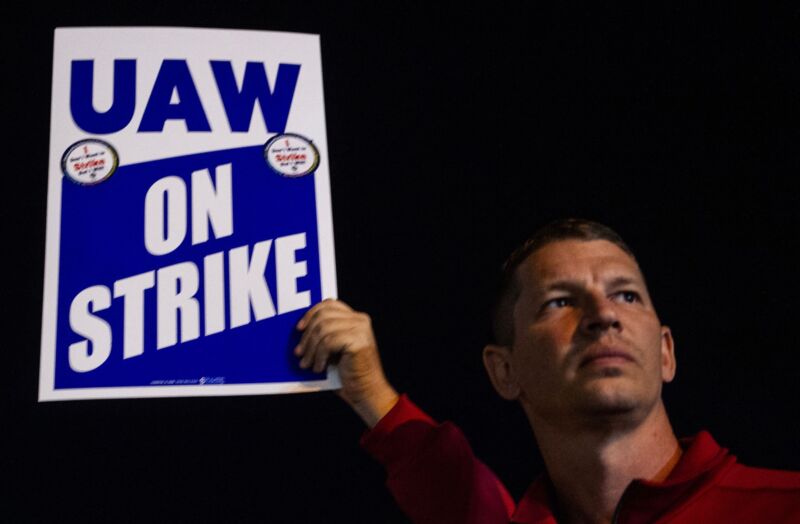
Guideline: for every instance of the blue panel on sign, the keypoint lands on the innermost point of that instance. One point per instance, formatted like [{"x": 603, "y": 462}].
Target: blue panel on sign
[{"x": 186, "y": 302}]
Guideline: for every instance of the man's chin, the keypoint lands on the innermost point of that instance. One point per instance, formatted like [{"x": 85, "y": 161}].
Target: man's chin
[
  {"x": 609, "y": 409},
  {"x": 602, "y": 398}
]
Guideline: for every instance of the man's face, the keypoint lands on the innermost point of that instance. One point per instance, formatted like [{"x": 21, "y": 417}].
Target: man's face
[{"x": 587, "y": 340}]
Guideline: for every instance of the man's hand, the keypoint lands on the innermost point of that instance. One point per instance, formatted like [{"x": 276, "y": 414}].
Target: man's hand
[{"x": 333, "y": 332}]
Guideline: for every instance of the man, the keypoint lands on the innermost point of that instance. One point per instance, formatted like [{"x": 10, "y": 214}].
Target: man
[{"x": 580, "y": 346}]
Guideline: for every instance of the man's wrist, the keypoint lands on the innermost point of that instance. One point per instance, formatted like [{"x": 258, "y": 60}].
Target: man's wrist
[{"x": 377, "y": 405}]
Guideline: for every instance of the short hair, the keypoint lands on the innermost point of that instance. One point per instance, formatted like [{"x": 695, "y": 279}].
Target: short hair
[{"x": 509, "y": 288}]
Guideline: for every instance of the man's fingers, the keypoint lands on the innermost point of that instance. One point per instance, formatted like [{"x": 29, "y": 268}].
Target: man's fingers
[
  {"x": 321, "y": 354},
  {"x": 308, "y": 358},
  {"x": 323, "y": 349},
  {"x": 323, "y": 338},
  {"x": 322, "y": 323},
  {"x": 329, "y": 304}
]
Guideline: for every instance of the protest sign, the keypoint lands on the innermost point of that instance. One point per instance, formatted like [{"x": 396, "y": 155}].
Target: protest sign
[{"x": 188, "y": 217}]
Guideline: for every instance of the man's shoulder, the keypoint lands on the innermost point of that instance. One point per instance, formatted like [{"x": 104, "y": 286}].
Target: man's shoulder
[
  {"x": 704, "y": 456},
  {"x": 748, "y": 478},
  {"x": 718, "y": 488}
]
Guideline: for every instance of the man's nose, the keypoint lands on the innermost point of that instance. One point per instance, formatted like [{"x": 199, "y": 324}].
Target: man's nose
[{"x": 599, "y": 314}]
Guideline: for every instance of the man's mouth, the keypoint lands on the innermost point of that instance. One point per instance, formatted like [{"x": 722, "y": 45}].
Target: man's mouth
[{"x": 605, "y": 356}]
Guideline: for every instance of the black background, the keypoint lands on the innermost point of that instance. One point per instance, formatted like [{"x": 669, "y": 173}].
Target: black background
[{"x": 453, "y": 133}]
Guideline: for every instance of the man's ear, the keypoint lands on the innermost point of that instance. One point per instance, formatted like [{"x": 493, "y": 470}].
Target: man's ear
[
  {"x": 668, "y": 364},
  {"x": 497, "y": 361}
]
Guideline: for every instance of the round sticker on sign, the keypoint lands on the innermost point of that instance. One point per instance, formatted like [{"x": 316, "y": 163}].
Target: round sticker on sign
[
  {"x": 291, "y": 155},
  {"x": 89, "y": 162}
]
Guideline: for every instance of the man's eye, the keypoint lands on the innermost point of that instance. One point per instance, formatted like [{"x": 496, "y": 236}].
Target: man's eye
[
  {"x": 629, "y": 296},
  {"x": 557, "y": 303}
]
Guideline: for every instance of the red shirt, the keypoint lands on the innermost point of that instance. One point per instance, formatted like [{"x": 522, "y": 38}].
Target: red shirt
[{"x": 435, "y": 477}]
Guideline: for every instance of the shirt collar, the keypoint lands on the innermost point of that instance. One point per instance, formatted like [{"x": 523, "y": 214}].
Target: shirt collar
[{"x": 702, "y": 458}]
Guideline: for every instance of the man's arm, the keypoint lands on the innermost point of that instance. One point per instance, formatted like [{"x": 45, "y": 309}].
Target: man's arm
[{"x": 433, "y": 474}]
